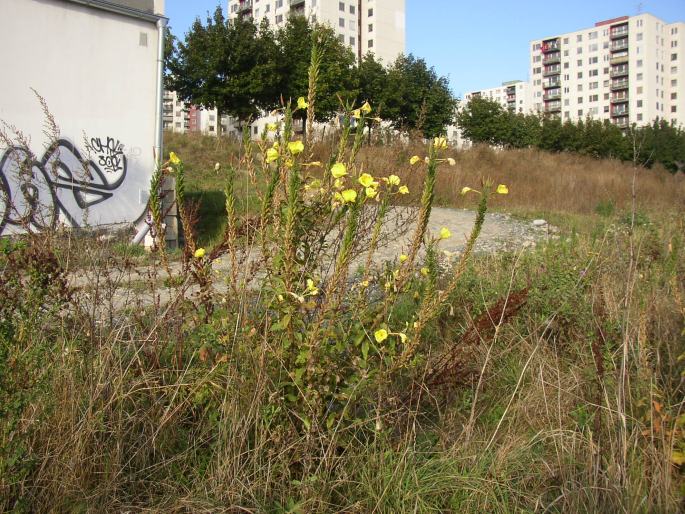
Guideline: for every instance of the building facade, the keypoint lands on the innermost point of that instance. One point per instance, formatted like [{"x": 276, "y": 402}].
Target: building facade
[
  {"x": 513, "y": 95},
  {"x": 96, "y": 65},
  {"x": 627, "y": 70},
  {"x": 376, "y": 26}
]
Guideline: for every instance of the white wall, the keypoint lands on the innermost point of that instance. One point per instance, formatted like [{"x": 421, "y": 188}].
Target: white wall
[{"x": 97, "y": 73}]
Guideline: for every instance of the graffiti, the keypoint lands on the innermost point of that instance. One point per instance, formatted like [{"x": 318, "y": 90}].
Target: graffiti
[
  {"x": 110, "y": 154},
  {"x": 36, "y": 193}
]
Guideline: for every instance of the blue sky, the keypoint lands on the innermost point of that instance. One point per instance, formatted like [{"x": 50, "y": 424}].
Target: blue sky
[{"x": 479, "y": 43}]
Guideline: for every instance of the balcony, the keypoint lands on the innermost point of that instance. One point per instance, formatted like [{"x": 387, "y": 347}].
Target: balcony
[
  {"x": 245, "y": 6},
  {"x": 297, "y": 3},
  {"x": 550, "y": 46},
  {"x": 619, "y": 71},
  {"x": 511, "y": 98},
  {"x": 621, "y": 44},
  {"x": 554, "y": 58},
  {"x": 552, "y": 94},
  {"x": 548, "y": 84},
  {"x": 619, "y": 58},
  {"x": 618, "y": 98},
  {"x": 619, "y": 111},
  {"x": 555, "y": 69},
  {"x": 617, "y": 85},
  {"x": 553, "y": 107},
  {"x": 617, "y": 32},
  {"x": 621, "y": 122}
]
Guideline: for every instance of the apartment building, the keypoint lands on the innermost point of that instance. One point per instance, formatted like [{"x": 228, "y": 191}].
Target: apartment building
[
  {"x": 628, "y": 70},
  {"x": 513, "y": 95},
  {"x": 376, "y": 26},
  {"x": 181, "y": 117}
]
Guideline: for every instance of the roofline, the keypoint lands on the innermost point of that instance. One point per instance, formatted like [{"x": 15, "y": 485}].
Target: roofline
[{"x": 105, "y": 5}]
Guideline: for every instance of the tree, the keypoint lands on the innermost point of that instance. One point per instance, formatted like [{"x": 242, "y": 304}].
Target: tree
[
  {"x": 417, "y": 98},
  {"x": 336, "y": 78},
  {"x": 223, "y": 65},
  {"x": 483, "y": 120}
]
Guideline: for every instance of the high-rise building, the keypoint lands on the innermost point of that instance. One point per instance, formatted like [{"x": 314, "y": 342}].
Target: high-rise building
[
  {"x": 376, "y": 26},
  {"x": 628, "y": 70},
  {"x": 512, "y": 95}
]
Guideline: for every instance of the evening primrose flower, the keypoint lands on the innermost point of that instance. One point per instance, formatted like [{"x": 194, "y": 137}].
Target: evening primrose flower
[
  {"x": 502, "y": 189},
  {"x": 295, "y": 147},
  {"x": 451, "y": 161},
  {"x": 365, "y": 283},
  {"x": 199, "y": 253},
  {"x": 338, "y": 170},
  {"x": 371, "y": 192},
  {"x": 403, "y": 258},
  {"x": 366, "y": 180},
  {"x": 394, "y": 180},
  {"x": 302, "y": 103},
  {"x": 425, "y": 271},
  {"x": 366, "y": 108},
  {"x": 403, "y": 190},
  {"x": 272, "y": 127},
  {"x": 349, "y": 196},
  {"x": 414, "y": 160},
  {"x": 271, "y": 155},
  {"x": 174, "y": 158},
  {"x": 445, "y": 233},
  {"x": 311, "y": 288},
  {"x": 440, "y": 143},
  {"x": 380, "y": 335},
  {"x": 357, "y": 113}
]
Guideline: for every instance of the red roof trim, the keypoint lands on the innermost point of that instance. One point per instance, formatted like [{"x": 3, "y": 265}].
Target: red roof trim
[{"x": 611, "y": 21}]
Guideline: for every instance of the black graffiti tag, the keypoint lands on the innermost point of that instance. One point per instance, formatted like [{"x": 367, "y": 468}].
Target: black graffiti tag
[{"x": 110, "y": 153}]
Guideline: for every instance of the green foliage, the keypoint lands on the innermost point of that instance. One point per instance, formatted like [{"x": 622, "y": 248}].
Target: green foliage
[{"x": 482, "y": 120}]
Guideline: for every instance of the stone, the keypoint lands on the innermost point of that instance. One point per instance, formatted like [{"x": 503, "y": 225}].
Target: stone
[{"x": 539, "y": 223}]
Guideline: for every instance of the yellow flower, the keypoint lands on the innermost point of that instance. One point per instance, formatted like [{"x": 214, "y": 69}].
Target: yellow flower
[
  {"x": 365, "y": 283},
  {"x": 451, "y": 161},
  {"x": 403, "y": 337},
  {"x": 174, "y": 158},
  {"x": 302, "y": 103},
  {"x": 338, "y": 170},
  {"x": 271, "y": 155},
  {"x": 357, "y": 113},
  {"x": 371, "y": 192},
  {"x": 424, "y": 271},
  {"x": 440, "y": 143},
  {"x": 276, "y": 145},
  {"x": 199, "y": 253},
  {"x": 339, "y": 183},
  {"x": 349, "y": 196},
  {"x": 414, "y": 160},
  {"x": 394, "y": 180},
  {"x": 445, "y": 233},
  {"x": 366, "y": 108},
  {"x": 311, "y": 288},
  {"x": 289, "y": 163},
  {"x": 365, "y": 180},
  {"x": 502, "y": 189},
  {"x": 403, "y": 258},
  {"x": 295, "y": 147},
  {"x": 467, "y": 189},
  {"x": 403, "y": 190},
  {"x": 272, "y": 127},
  {"x": 380, "y": 335}
]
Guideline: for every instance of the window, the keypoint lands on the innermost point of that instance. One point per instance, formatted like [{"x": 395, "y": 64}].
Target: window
[
  {"x": 353, "y": 9},
  {"x": 279, "y": 3},
  {"x": 567, "y": 114},
  {"x": 537, "y": 58},
  {"x": 674, "y": 31},
  {"x": 674, "y": 83},
  {"x": 606, "y": 108},
  {"x": 674, "y": 69},
  {"x": 639, "y": 90},
  {"x": 536, "y": 46},
  {"x": 579, "y": 62},
  {"x": 567, "y": 102},
  {"x": 593, "y": 35},
  {"x": 594, "y": 98},
  {"x": 341, "y": 37},
  {"x": 370, "y": 27},
  {"x": 352, "y": 41},
  {"x": 537, "y": 70},
  {"x": 579, "y": 50},
  {"x": 565, "y": 53},
  {"x": 639, "y": 76},
  {"x": 256, "y": 13},
  {"x": 639, "y": 103},
  {"x": 211, "y": 128},
  {"x": 674, "y": 96},
  {"x": 639, "y": 23},
  {"x": 593, "y": 73},
  {"x": 580, "y": 113},
  {"x": 255, "y": 130},
  {"x": 580, "y": 74},
  {"x": 592, "y": 47},
  {"x": 639, "y": 63},
  {"x": 341, "y": 6},
  {"x": 579, "y": 38},
  {"x": 279, "y": 18},
  {"x": 566, "y": 41},
  {"x": 370, "y": 43},
  {"x": 267, "y": 8},
  {"x": 566, "y": 66},
  {"x": 594, "y": 85},
  {"x": 341, "y": 22},
  {"x": 674, "y": 57},
  {"x": 639, "y": 116},
  {"x": 593, "y": 60},
  {"x": 212, "y": 117},
  {"x": 639, "y": 36},
  {"x": 580, "y": 100},
  {"x": 371, "y": 12},
  {"x": 606, "y": 71}
]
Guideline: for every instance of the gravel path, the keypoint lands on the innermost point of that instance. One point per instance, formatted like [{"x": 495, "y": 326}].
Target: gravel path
[{"x": 500, "y": 232}]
